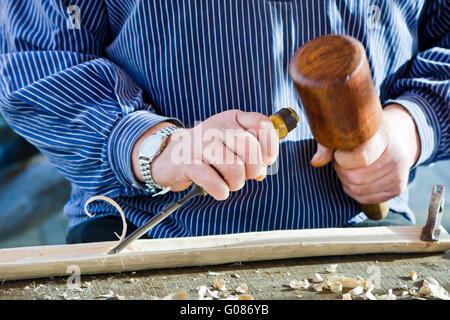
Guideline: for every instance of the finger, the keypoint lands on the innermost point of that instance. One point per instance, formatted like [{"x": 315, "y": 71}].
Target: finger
[
  {"x": 368, "y": 174},
  {"x": 206, "y": 177},
  {"x": 322, "y": 156},
  {"x": 383, "y": 190},
  {"x": 387, "y": 182},
  {"x": 247, "y": 148},
  {"x": 227, "y": 163},
  {"x": 262, "y": 128},
  {"x": 375, "y": 198},
  {"x": 364, "y": 155}
]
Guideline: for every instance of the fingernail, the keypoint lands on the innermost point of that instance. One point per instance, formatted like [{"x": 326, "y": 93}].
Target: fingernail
[{"x": 261, "y": 177}]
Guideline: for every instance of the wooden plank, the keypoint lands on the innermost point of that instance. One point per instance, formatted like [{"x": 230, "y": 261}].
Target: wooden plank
[
  {"x": 44, "y": 261},
  {"x": 265, "y": 279}
]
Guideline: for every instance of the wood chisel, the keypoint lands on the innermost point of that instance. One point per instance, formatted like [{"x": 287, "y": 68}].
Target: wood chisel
[
  {"x": 283, "y": 121},
  {"x": 431, "y": 231}
]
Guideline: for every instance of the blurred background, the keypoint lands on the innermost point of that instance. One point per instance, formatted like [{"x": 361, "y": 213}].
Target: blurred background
[{"x": 33, "y": 193}]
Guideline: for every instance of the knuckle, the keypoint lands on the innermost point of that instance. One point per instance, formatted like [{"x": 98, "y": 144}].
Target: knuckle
[
  {"x": 235, "y": 177},
  {"x": 397, "y": 190}
]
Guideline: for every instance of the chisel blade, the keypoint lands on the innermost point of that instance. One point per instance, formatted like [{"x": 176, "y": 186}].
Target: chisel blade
[{"x": 431, "y": 231}]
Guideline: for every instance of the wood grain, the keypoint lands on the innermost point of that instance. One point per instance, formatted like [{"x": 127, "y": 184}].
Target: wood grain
[{"x": 45, "y": 261}]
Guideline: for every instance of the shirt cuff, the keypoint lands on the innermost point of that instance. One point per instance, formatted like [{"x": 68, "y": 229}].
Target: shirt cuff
[
  {"x": 121, "y": 141},
  {"x": 426, "y": 122}
]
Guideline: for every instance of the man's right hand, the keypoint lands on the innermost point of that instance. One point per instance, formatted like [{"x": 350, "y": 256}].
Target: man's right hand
[{"x": 219, "y": 154}]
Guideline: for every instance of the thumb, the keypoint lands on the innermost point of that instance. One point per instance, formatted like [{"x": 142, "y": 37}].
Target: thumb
[{"x": 322, "y": 157}]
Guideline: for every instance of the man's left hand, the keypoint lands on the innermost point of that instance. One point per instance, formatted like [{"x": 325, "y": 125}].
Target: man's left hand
[{"x": 378, "y": 170}]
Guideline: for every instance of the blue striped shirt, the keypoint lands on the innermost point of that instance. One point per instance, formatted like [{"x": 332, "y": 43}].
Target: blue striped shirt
[{"x": 83, "y": 79}]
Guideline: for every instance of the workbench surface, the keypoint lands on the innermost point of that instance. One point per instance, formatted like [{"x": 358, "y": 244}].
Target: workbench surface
[{"x": 266, "y": 280}]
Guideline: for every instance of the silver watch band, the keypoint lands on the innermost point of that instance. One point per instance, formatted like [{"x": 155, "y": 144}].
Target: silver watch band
[{"x": 145, "y": 163}]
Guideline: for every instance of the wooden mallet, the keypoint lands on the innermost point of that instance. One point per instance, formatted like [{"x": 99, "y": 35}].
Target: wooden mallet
[{"x": 332, "y": 77}]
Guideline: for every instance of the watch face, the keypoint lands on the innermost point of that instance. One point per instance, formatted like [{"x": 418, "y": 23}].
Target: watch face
[{"x": 151, "y": 146}]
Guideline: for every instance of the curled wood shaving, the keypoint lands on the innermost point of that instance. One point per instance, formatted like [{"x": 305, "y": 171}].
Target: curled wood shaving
[
  {"x": 336, "y": 287},
  {"x": 246, "y": 297},
  {"x": 115, "y": 205}
]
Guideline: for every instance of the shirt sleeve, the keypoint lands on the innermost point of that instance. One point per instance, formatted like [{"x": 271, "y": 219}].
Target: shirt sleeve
[
  {"x": 423, "y": 86},
  {"x": 59, "y": 92}
]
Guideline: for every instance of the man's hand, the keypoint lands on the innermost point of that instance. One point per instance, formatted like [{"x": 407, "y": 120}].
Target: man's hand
[
  {"x": 378, "y": 170},
  {"x": 219, "y": 154}
]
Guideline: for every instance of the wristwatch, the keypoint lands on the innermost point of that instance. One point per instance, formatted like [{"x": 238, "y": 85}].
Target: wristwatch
[{"x": 151, "y": 147}]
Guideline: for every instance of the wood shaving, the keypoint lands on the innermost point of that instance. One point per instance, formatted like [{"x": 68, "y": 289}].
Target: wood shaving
[
  {"x": 220, "y": 284},
  {"x": 202, "y": 292},
  {"x": 108, "y": 295},
  {"x": 346, "y": 296},
  {"x": 176, "y": 296},
  {"x": 332, "y": 268},
  {"x": 243, "y": 288},
  {"x": 413, "y": 275},
  {"x": 317, "y": 278},
  {"x": 369, "y": 295},
  {"x": 246, "y": 297},
  {"x": 404, "y": 293},
  {"x": 413, "y": 292},
  {"x": 350, "y": 282},
  {"x": 356, "y": 291},
  {"x": 368, "y": 285},
  {"x": 296, "y": 284},
  {"x": 389, "y": 296},
  {"x": 115, "y": 205},
  {"x": 431, "y": 288},
  {"x": 318, "y": 287},
  {"x": 336, "y": 287}
]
